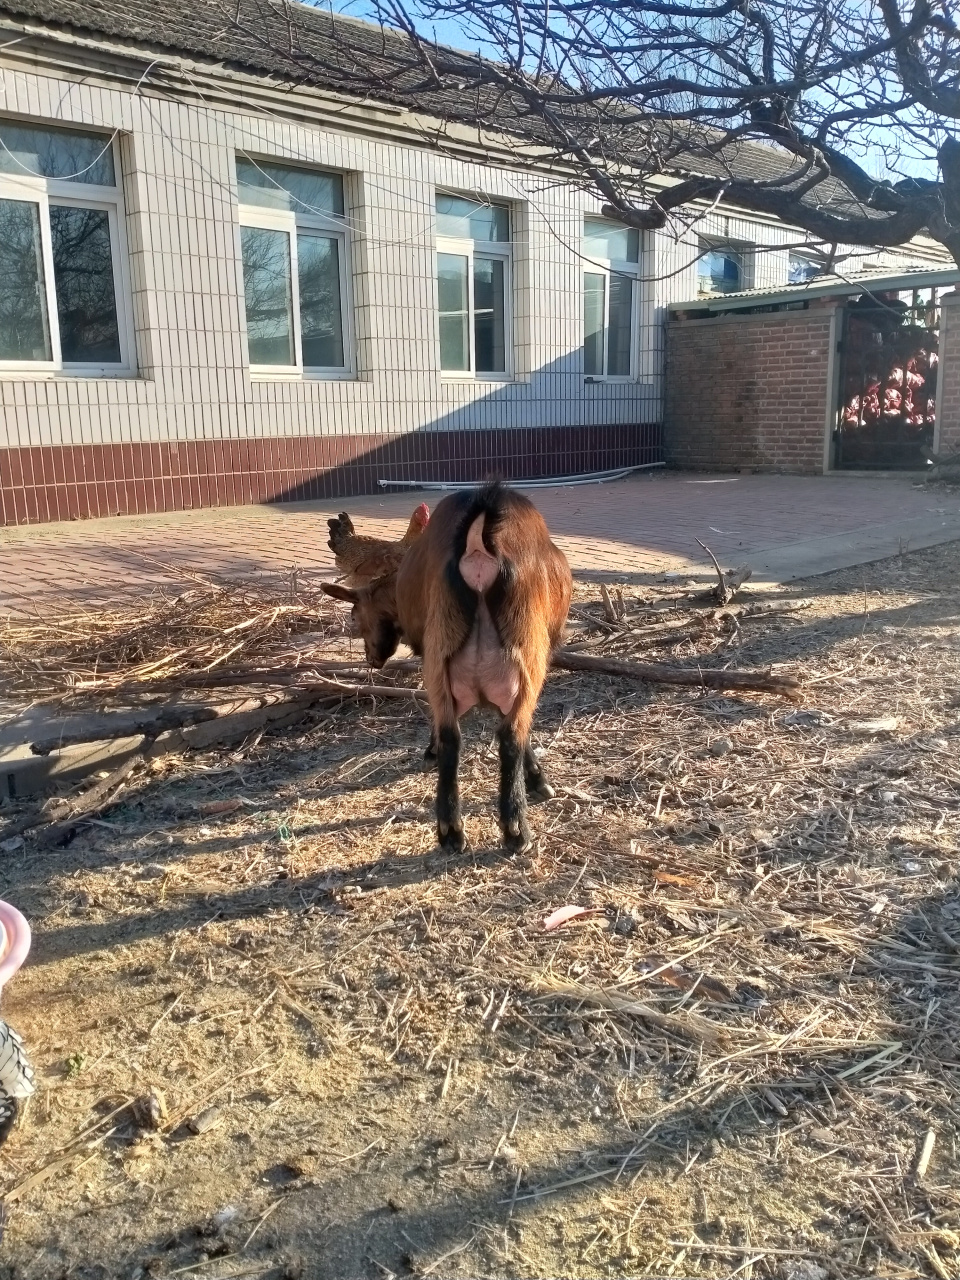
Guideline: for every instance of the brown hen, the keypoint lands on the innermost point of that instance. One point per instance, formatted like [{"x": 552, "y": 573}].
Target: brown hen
[{"x": 362, "y": 559}]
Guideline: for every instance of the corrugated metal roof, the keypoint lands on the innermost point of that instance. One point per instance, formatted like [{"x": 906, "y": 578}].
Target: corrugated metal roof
[{"x": 827, "y": 287}]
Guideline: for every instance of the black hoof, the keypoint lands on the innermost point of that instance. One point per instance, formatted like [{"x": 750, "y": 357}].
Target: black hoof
[
  {"x": 540, "y": 790},
  {"x": 517, "y": 841},
  {"x": 451, "y": 839}
]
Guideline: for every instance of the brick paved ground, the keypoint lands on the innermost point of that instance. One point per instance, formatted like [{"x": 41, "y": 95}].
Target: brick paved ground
[{"x": 632, "y": 530}]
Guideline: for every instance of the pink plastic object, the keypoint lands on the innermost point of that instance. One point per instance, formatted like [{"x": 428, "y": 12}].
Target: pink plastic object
[
  {"x": 562, "y": 914},
  {"x": 14, "y": 942}
]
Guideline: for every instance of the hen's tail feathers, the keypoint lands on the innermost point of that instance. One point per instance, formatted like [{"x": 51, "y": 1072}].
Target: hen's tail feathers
[{"x": 340, "y": 528}]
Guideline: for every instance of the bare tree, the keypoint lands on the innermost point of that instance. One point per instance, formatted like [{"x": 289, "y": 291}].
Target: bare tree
[{"x": 657, "y": 106}]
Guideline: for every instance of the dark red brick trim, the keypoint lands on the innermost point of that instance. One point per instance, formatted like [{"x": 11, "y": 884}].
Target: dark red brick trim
[{"x": 83, "y": 481}]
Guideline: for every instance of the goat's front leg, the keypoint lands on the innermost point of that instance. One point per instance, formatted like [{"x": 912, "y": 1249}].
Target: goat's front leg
[
  {"x": 449, "y": 820},
  {"x": 513, "y": 795},
  {"x": 538, "y": 788}
]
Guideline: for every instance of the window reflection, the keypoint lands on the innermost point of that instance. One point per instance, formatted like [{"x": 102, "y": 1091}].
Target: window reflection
[
  {"x": 86, "y": 296},
  {"x": 24, "y": 331},
  {"x": 321, "y": 324},
  {"x": 67, "y": 154},
  {"x": 266, "y": 287}
]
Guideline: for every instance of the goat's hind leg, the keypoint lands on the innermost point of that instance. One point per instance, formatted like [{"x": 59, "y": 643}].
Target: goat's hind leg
[
  {"x": 538, "y": 788},
  {"x": 513, "y": 795},
  {"x": 450, "y": 835}
]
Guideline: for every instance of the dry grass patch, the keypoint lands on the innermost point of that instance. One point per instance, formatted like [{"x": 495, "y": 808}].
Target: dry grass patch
[{"x": 730, "y": 1064}]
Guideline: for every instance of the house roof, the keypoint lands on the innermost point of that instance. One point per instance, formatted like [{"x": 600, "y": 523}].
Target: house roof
[
  {"x": 288, "y": 40},
  {"x": 297, "y": 42},
  {"x": 845, "y": 286}
]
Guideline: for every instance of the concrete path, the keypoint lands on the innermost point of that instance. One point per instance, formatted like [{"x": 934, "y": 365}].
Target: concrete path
[{"x": 629, "y": 531}]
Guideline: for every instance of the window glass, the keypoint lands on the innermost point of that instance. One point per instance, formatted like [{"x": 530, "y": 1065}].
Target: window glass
[
  {"x": 607, "y": 240},
  {"x": 266, "y": 288},
  {"x": 57, "y": 153},
  {"x": 620, "y": 327},
  {"x": 321, "y": 324},
  {"x": 594, "y": 307},
  {"x": 720, "y": 269},
  {"x": 488, "y": 318},
  {"x": 471, "y": 219},
  {"x": 86, "y": 297},
  {"x": 802, "y": 269},
  {"x": 73, "y": 313},
  {"x": 454, "y": 312},
  {"x": 24, "y": 331},
  {"x": 281, "y": 186}
]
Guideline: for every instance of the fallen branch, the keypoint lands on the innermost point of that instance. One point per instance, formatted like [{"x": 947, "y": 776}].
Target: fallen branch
[
  {"x": 64, "y": 818},
  {"x": 728, "y": 584},
  {"x": 658, "y": 673},
  {"x": 169, "y": 718},
  {"x": 764, "y": 608},
  {"x": 263, "y": 676}
]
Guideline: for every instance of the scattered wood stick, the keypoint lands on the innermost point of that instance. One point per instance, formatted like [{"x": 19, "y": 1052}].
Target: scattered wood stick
[
  {"x": 268, "y": 676},
  {"x": 658, "y": 673},
  {"x": 687, "y": 1024},
  {"x": 926, "y": 1151},
  {"x": 64, "y": 819},
  {"x": 728, "y": 584},
  {"x": 364, "y": 690}
]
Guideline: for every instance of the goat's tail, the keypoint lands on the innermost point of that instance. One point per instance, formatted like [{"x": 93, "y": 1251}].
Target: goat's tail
[
  {"x": 490, "y": 501},
  {"x": 476, "y": 564}
]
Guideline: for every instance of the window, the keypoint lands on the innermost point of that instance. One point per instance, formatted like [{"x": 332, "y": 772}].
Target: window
[
  {"x": 802, "y": 269},
  {"x": 610, "y": 299},
  {"x": 62, "y": 284},
  {"x": 473, "y": 286},
  {"x": 294, "y": 251},
  {"x": 721, "y": 268}
]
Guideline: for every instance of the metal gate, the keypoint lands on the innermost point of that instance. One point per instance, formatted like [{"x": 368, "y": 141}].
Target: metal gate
[{"x": 888, "y": 381}]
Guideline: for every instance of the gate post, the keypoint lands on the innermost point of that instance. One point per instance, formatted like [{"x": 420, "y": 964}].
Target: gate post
[{"x": 946, "y": 439}]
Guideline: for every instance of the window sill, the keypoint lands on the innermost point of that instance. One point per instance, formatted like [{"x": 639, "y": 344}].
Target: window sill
[
  {"x": 31, "y": 373},
  {"x": 296, "y": 375},
  {"x": 477, "y": 377},
  {"x": 607, "y": 380}
]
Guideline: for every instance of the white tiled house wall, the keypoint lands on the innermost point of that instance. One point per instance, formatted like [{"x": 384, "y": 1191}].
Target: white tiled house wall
[{"x": 192, "y": 378}]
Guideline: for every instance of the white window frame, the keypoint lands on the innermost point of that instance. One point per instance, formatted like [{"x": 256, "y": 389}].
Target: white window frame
[
  {"x": 82, "y": 195},
  {"x": 608, "y": 267},
  {"x": 333, "y": 228},
  {"x": 470, "y": 249}
]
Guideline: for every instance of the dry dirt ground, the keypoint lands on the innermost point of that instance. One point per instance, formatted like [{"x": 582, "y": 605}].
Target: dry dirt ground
[{"x": 728, "y": 1068}]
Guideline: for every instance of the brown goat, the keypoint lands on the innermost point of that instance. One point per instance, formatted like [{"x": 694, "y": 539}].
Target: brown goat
[{"x": 482, "y": 596}]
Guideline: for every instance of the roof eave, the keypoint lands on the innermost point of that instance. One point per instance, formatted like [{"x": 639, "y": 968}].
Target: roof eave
[{"x": 833, "y": 286}]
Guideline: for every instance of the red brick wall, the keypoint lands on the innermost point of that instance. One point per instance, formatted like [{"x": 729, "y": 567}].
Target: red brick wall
[
  {"x": 948, "y": 381},
  {"x": 748, "y": 391}
]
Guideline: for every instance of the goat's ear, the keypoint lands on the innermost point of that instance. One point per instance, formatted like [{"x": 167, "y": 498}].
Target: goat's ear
[{"x": 340, "y": 593}]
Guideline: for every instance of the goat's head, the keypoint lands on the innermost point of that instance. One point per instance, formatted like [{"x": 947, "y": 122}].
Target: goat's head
[{"x": 374, "y": 616}]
